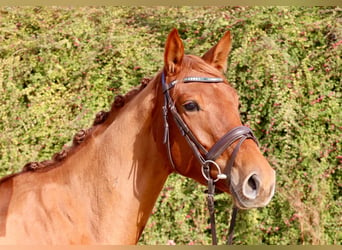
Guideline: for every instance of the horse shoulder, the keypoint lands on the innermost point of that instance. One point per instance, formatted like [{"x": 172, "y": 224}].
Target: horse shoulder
[{"x": 35, "y": 205}]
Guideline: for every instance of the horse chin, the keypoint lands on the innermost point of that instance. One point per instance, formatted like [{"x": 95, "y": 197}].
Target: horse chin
[{"x": 243, "y": 203}]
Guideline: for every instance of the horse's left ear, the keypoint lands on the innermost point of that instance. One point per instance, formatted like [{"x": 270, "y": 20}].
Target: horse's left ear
[
  {"x": 217, "y": 56},
  {"x": 174, "y": 53}
]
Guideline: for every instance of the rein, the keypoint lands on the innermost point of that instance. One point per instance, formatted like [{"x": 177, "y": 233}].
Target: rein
[{"x": 205, "y": 158}]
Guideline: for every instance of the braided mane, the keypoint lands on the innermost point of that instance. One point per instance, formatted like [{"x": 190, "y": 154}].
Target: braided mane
[{"x": 83, "y": 134}]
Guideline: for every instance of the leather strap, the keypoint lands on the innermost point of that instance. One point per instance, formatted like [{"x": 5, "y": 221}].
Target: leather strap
[
  {"x": 211, "y": 208},
  {"x": 228, "y": 139},
  {"x": 232, "y": 225},
  {"x": 240, "y": 133}
]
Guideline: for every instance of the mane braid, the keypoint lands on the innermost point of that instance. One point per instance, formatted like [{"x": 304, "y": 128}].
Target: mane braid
[{"x": 83, "y": 134}]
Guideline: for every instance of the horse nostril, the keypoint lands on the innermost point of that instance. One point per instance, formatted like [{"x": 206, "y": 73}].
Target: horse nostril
[
  {"x": 251, "y": 187},
  {"x": 252, "y": 183}
]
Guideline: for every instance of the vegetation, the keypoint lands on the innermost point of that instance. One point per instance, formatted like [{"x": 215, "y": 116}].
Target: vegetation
[{"x": 59, "y": 66}]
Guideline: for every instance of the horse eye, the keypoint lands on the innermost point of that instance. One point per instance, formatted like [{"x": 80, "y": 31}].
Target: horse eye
[{"x": 191, "y": 106}]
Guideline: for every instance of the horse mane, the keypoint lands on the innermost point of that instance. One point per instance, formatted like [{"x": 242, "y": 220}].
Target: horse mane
[{"x": 81, "y": 136}]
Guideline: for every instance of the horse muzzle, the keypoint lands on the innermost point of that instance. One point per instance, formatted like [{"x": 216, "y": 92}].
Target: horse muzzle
[{"x": 255, "y": 190}]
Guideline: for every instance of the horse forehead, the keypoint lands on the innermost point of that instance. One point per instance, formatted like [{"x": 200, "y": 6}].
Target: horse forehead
[{"x": 212, "y": 91}]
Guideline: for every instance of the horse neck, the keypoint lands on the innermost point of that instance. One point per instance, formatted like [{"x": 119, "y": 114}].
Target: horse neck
[{"x": 126, "y": 169}]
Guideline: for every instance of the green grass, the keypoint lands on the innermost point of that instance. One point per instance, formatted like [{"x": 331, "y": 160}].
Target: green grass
[{"x": 59, "y": 66}]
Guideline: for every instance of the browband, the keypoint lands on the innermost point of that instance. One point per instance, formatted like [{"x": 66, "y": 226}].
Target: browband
[{"x": 169, "y": 86}]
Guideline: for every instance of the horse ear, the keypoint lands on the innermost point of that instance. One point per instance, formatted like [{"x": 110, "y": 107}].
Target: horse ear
[
  {"x": 217, "y": 56},
  {"x": 174, "y": 53}
]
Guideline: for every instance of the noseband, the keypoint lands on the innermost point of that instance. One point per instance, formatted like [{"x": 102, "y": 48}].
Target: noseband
[{"x": 205, "y": 157}]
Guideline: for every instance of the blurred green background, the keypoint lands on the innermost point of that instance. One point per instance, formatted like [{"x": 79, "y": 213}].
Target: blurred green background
[{"x": 59, "y": 66}]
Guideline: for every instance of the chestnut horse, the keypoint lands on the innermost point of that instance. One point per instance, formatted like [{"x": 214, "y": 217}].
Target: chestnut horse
[{"x": 103, "y": 188}]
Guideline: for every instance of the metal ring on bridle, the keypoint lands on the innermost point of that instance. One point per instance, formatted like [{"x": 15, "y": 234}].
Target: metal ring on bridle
[{"x": 220, "y": 176}]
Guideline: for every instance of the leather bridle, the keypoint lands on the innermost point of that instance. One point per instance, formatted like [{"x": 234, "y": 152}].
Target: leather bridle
[{"x": 206, "y": 158}]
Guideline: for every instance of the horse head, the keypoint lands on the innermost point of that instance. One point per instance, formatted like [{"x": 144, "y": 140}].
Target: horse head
[{"x": 203, "y": 131}]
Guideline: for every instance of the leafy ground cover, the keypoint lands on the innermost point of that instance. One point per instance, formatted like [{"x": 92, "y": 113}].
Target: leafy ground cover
[{"x": 59, "y": 66}]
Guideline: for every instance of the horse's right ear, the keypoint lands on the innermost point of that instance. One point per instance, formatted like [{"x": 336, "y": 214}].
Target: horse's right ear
[
  {"x": 217, "y": 56},
  {"x": 174, "y": 53}
]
